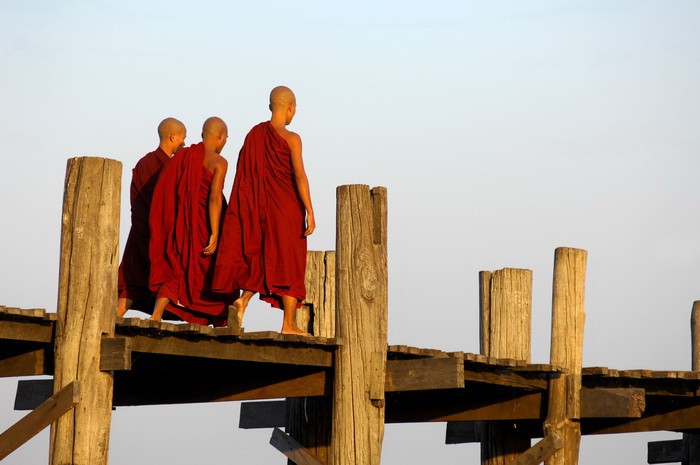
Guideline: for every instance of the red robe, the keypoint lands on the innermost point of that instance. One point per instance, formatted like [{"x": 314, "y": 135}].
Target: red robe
[
  {"x": 179, "y": 231},
  {"x": 263, "y": 247},
  {"x": 135, "y": 265}
]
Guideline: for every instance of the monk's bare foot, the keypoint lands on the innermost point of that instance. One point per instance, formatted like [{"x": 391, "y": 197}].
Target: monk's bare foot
[
  {"x": 295, "y": 330},
  {"x": 156, "y": 317}
]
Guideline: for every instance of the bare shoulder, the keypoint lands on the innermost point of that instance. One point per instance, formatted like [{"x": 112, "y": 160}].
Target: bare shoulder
[{"x": 293, "y": 139}]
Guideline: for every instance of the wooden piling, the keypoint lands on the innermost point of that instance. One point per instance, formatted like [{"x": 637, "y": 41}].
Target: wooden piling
[
  {"x": 87, "y": 301},
  {"x": 308, "y": 419},
  {"x": 505, "y": 299},
  {"x": 362, "y": 312},
  {"x": 568, "y": 318},
  {"x": 691, "y": 441}
]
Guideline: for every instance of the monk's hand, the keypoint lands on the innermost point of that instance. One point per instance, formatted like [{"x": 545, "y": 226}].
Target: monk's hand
[
  {"x": 310, "y": 224},
  {"x": 211, "y": 246}
]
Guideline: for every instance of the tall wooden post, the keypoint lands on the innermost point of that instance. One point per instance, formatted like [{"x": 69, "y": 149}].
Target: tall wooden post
[
  {"x": 309, "y": 418},
  {"x": 362, "y": 312},
  {"x": 691, "y": 441},
  {"x": 87, "y": 300},
  {"x": 568, "y": 315},
  {"x": 505, "y": 299}
]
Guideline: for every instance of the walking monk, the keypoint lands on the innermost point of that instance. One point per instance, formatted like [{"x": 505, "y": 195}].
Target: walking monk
[
  {"x": 263, "y": 245},
  {"x": 185, "y": 222},
  {"x": 135, "y": 266}
]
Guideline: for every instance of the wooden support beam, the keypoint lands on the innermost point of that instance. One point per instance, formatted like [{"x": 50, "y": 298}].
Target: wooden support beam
[
  {"x": 34, "y": 331},
  {"x": 362, "y": 312},
  {"x": 691, "y": 441},
  {"x": 564, "y": 406},
  {"x": 86, "y": 306},
  {"x": 506, "y": 314},
  {"x": 263, "y": 414},
  {"x": 45, "y": 414},
  {"x": 665, "y": 451},
  {"x": 118, "y": 350},
  {"x": 292, "y": 449},
  {"x": 25, "y": 361},
  {"x": 540, "y": 451},
  {"x": 423, "y": 374}
]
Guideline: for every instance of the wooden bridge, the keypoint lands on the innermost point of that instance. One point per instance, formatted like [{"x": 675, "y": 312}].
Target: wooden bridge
[{"x": 341, "y": 386}]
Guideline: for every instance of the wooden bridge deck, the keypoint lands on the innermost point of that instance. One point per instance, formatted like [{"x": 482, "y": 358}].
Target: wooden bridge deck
[{"x": 165, "y": 363}]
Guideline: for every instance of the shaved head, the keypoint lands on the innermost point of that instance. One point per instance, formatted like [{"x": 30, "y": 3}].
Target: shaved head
[
  {"x": 168, "y": 127},
  {"x": 281, "y": 97},
  {"x": 214, "y": 125},
  {"x": 214, "y": 133}
]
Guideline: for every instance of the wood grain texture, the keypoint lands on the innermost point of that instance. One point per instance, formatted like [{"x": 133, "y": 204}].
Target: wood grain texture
[
  {"x": 86, "y": 306},
  {"x": 34, "y": 422},
  {"x": 506, "y": 314},
  {"x": 362, "y": 312},
  {"x": 568, "y": 315},
  {"x": 292, "y": 449}
]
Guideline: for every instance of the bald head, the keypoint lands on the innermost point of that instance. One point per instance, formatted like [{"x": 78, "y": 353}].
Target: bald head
[
  {"x": 214, "y": 133},
  {"x": 168, "y": 127},
  {"x": 281, "y": 97},
  {"x": 171, "y": 133}
]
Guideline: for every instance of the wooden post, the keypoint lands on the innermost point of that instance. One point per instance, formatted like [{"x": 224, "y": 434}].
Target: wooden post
[
  {"x": 691, "y": 441},
  {"x": 362, "y": 312},
  {"x": 568, "y": 317},
  {"x": 87, "y": 301},
  {"x": 506, "y": 313},
  {"x": 308, "y": 419}
]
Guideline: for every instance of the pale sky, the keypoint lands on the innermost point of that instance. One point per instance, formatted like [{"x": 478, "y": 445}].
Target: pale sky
[{"x": 501, "y": 130}]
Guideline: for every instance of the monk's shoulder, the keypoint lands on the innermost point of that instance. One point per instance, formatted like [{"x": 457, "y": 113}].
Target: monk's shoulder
[{"x": 293, "y": 139}]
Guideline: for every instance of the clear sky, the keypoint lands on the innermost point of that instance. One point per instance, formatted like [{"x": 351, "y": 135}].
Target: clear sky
[{"x": 502, "y": 130}]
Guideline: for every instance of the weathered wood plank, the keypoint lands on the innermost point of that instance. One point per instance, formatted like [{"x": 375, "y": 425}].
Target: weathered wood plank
[
  {"x": 665, "y": 451},
  {"x": 48, "y": 412},
  {"x": 263, "y": 414},
  {"x": 34, "y": 331},
  {"x": 424, "y": 374},
  {"x": 540, "y": 451},
  {"x": 86, "y": 306},
  {"x": 362, "y": 312},
  {"x": 224, "y": 350},
  {"x": 612, "y": 403},
  {"x": 292, "y": 449},
  {"x": 25, "y": 362}
]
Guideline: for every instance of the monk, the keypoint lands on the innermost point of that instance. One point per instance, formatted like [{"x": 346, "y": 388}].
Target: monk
[
  {"x": 135, "y": 266},
  {"x": 186, "y": 213},
  {"x": 263, "y": 245}
]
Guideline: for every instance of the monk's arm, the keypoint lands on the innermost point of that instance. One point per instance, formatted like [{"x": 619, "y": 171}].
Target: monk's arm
[
  {"x": 302, "y": 182},
  {"x": 215, "y": 201}
]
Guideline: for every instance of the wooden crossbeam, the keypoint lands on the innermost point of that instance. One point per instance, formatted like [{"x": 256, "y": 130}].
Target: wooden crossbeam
[
  {"x": 24, "y": 361},
  {"x": 41, "y": 417},
  {"x": 263, "y": 414},
  {"x": 116, "y": 352},
  {"x": 34, "y": 331},
  {"x": 423, "y": 374},
  {"x": 540, "y": 451},
  {"x": 665, "y": 451},
  {"x": 292, "y": 449}
]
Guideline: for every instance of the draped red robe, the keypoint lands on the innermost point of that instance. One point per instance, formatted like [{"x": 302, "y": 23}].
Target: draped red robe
[
  {"x": 179, "y": 231},
  {"x": 135, "y": 265},
  {"x": 263, "y": 247}
]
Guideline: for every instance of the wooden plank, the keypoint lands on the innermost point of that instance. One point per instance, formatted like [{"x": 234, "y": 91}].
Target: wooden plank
[
  {"x": 362, "y": 314},
  {"x": 263, "y": 414},
  {"x": 292, "y": 449},
  {"x": 34, "y": 331},
  {"x": 461, "y": 432},
  {"x": 568, "y": 316},
  {"x": 32, "y": 423},
  {"x": 25, "y": 362},
  {"x": 612, "y": 403},
  {"x": 234, "y": 350},
  {"x": 115, "y": 354},
  {"x": 87, "y": 286},
  {"x": 505, "y": 378},
  {"x": 424, "y": 374},
  {"x": 540, "y": 451},
  {"x": 665, "y": 451}
]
